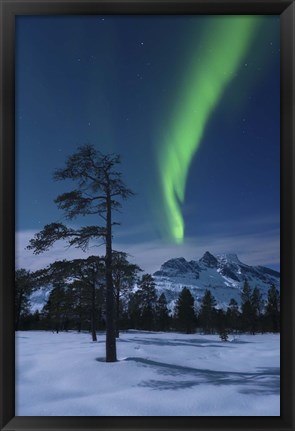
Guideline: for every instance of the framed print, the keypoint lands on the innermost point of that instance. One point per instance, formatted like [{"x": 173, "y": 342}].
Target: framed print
[{"x": 147, "y": 206}]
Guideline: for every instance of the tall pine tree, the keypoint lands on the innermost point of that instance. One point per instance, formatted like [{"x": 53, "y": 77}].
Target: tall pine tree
[
  {"x": 207, "y": 314},
  {"x": 162, "y": 314},
  {"x": 272, "y": 309},
  {"x": 256, "y": 304},
  {"x": 184, "y": 312},
  {"x": 99, "y": 191},
  {"x": 148, "y": 301},
  {"x": 233, "y": 315},
  {"x": 246, "y": 307}
]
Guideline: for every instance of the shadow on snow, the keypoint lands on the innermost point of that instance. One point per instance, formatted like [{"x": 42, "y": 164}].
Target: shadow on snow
[
  {"x": 266, "y": 381},
  {"x": 194, "y": 342}
]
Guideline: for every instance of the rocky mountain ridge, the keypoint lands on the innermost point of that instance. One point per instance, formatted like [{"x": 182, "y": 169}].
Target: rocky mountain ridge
[{"x": 224, "y": 275}]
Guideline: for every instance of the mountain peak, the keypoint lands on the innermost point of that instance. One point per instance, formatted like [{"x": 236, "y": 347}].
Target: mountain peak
[
  {"x": 229, "y": 257},
  {"x": 209, "y": 260}
]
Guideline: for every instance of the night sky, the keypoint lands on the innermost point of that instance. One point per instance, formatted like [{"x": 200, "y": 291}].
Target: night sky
[{"x": 191, "y": 103}]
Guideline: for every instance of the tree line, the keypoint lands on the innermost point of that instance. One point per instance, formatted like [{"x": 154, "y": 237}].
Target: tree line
[
  {"x": 252, "y": 316},
  {"x": 78, "y": 302}
]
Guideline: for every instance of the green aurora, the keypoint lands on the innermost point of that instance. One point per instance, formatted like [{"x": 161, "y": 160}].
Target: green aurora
[{"x": 225, "y": 44}]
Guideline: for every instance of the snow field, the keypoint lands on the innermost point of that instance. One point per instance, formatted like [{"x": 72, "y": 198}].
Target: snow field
[{"x": 157, "y": 374}]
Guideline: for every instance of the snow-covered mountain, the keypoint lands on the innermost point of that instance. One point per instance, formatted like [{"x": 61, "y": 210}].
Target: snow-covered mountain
[
  {"x": 39, "y": 298},
  {"x": 223, "y": 275}
]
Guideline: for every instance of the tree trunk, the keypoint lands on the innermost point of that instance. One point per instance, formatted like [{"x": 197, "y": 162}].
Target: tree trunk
[
  {"x": 79, "y": 325},
  {"x": 111, "y": 354},
  {"x": 93, "y": 326},
  {"x": 117, "y": 313}
]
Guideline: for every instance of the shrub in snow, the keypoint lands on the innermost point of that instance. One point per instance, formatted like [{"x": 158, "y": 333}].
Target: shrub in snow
[{"x": 223, "y": 334}]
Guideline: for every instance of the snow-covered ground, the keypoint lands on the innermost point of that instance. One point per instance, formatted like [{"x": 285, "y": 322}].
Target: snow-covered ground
[{"x": 158, "y": 374}]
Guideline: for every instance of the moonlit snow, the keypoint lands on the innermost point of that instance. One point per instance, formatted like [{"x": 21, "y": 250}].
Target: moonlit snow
[{"x": 157, "y": 374}]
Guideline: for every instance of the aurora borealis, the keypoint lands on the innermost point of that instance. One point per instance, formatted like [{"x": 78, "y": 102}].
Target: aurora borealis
[
  {"x": 191, "y": 103},
  {"x": 226, "y": 43}
]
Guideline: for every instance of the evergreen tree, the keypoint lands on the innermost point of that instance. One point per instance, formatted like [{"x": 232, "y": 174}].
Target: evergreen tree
[
  {"x": 81, "y": 318},
  {"x": 162, "y": 314},
  {"x": 246, "y": 292},
  {"x": 57, "y": 307},
  {"x": 24, "y": 286},
  {"x": 256, "y": 309},
  {"x": 30, "y": 321},
  {"x": 207, "y": 314},
  {"x": 223, "y": 333},
  {"x": 184, "y": 312},
  {"x": 134, "y": 310},
  {"x": 246, "y": 306},
  {"x": 124, "y": 276},
  {"x": 84, "y": 278},
  {"x": 272, "y": 309},
  {"x": 99, "y": 191},
  {"x": 147, "y": 302},
  {"x": 220, "y": 322},
  {"x": 233, "y": 315}
]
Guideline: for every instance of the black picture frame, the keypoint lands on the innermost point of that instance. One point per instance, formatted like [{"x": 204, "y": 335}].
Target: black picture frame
[{"x": 12, "y": 8}]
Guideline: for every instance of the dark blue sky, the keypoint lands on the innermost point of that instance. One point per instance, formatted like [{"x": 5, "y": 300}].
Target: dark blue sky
[{"x": 111, "y": 81}]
